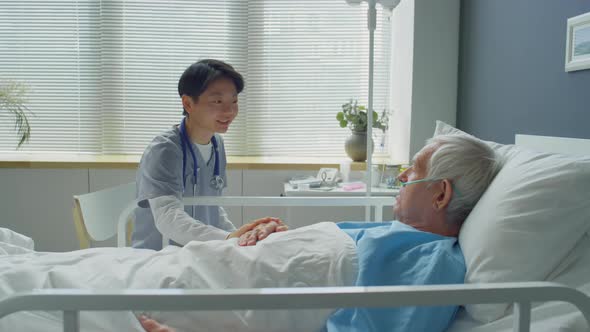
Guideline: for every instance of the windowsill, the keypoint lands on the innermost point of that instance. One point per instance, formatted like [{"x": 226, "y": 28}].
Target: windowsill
[{"x": 50, "y": 160}]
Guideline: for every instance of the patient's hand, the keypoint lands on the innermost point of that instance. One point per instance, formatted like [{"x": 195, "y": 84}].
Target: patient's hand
[
  {"x": 258, "y": 230},
  {"x": 151, "y": 325}
]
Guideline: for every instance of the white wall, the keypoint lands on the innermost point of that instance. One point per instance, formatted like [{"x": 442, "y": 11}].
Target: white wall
[
  {"x": 38, "y": 202},
  {"x": 425, "y": 53},
  {"x": 435, "y": 67},
  {"x": 402, "y": 50}
]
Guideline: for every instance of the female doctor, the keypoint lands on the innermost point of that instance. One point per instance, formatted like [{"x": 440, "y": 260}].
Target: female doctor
[{"x": 189, "y": 160}]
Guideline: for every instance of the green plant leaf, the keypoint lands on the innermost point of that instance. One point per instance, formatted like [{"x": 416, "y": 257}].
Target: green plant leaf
[
  {"x": 354, "y": 116},
  {"x": 12, "y": 100}
]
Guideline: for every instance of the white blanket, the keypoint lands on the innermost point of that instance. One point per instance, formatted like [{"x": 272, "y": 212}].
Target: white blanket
[{"x": 317, "y": 255}]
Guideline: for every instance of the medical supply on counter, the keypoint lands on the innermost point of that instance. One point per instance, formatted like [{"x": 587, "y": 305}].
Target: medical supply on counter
[
  {"x": 329, "y": 176},
  {"x": 311, "y": 181},
  {"x": 389, "y": 176},
  {"x": 304, "y": 186},
  {"x": 377, "y": 175},
  {"x": 353, "y": 186}
]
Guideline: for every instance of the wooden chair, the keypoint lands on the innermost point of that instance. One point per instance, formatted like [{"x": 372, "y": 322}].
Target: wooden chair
[{"x": 96, "y": 214}]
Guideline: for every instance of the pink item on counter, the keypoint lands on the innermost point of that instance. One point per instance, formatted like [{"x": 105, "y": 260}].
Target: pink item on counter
[{"x": 353, "y": 186}]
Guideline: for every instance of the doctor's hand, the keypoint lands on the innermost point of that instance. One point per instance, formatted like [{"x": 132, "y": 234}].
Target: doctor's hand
[
  {"x": 258, "y": 230},
  {"x": 151, "y": 325},
  {"x": 261, "y": 232}
]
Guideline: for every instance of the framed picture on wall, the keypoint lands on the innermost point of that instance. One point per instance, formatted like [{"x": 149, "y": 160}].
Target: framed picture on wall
[{"x": 577, "y": 46}]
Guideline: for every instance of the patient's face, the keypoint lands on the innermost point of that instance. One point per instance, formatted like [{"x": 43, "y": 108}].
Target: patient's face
[{"x": 414, "y": 202}]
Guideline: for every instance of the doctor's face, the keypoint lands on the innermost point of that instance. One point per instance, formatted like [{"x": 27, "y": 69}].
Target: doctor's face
[{"x": 215, "y": 109}]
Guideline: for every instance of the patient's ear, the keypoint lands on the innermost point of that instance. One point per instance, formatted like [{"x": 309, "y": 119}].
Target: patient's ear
[{"x": 443, "y": 194}]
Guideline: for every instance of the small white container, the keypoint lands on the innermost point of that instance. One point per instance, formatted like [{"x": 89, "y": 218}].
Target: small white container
[{"x": 345, "y": 170}]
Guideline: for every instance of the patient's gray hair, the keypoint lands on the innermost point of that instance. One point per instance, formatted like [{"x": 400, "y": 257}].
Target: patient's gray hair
[{"x": 469, "y": 164}]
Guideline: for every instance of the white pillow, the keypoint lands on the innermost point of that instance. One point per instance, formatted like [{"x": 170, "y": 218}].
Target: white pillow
[
  {"x": 531, "y": 216},
  {"x": 503, "y": 150}
]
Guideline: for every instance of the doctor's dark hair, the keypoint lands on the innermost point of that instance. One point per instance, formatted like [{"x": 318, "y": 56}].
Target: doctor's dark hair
[{"x": 197, "y": 77}]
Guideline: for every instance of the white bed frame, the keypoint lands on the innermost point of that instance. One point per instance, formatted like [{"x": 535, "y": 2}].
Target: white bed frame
[
  {"x": 71, "y": 302},
  {"x": 522, "y": 294}
]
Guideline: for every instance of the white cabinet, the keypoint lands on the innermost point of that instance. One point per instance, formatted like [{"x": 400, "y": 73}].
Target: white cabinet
[{"x": 38, "y": 204}]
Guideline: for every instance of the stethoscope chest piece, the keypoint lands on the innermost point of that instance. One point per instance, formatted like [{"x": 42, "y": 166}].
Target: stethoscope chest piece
[{"x": 217, "y": 182}]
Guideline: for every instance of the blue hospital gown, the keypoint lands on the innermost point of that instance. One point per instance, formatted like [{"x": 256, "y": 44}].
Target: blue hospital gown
[{"x": 398, "y": 254}]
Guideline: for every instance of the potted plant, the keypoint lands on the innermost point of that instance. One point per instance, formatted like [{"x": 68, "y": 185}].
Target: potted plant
[
  {"x": 354, "y": 116},
  {"x": 12, "y": 101}
]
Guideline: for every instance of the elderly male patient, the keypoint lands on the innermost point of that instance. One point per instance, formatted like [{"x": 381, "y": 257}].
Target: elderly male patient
[{"x": 447, "y": 178}]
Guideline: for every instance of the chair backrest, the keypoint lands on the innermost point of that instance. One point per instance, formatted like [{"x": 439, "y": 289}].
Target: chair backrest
[{"x": 96, "y": 214}]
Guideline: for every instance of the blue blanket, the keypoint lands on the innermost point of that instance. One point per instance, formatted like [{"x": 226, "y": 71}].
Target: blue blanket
[{"x": 398, "y": 254}]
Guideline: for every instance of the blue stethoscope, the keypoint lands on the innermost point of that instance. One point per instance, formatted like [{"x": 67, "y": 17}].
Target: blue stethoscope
[{"x": 217, "y": 181}]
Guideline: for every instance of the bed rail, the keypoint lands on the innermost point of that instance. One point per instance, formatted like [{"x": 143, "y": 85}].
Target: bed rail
[
  {"x": 71, "y": 302},
  {"x": 377, "y": 202}
]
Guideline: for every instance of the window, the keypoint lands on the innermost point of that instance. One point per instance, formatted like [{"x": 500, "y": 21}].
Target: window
[{"x": 103, "y": 74}]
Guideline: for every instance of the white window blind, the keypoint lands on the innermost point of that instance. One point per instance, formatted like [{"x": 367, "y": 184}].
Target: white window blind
[
  {"x": 146, "y": 47},
  {"x": 104, "y": 74},
  {"x": 306, "y": 59},
  {"x": 53, "y": 47}
]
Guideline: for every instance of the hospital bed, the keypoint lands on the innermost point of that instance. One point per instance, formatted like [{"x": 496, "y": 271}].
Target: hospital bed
[{"x": 533, "y": 302}]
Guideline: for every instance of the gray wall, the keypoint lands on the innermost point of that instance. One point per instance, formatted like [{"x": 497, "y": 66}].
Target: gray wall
[{"x": 511, "y": 70}]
